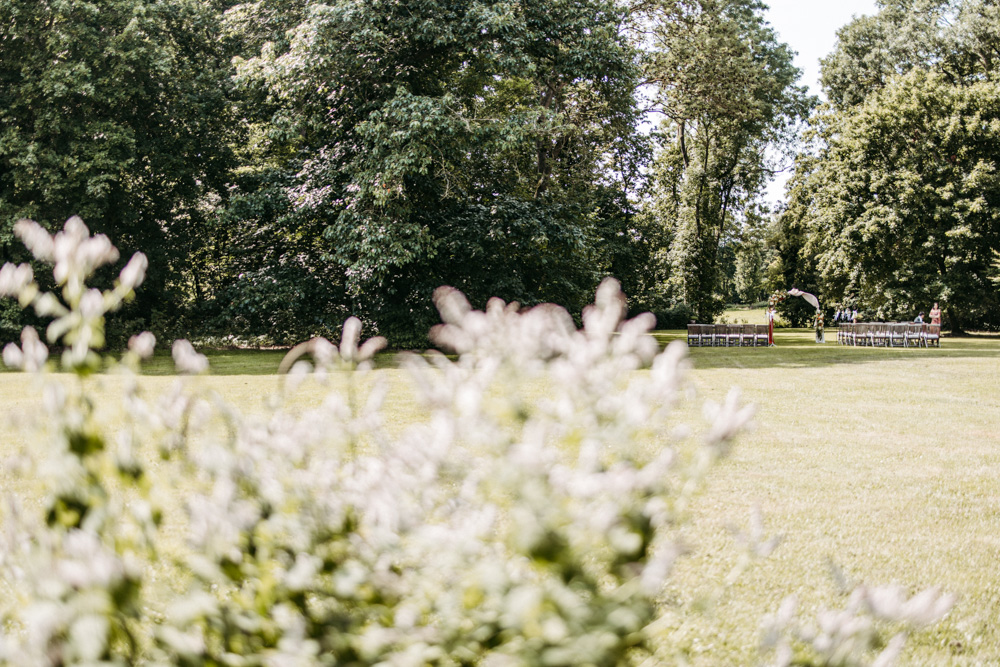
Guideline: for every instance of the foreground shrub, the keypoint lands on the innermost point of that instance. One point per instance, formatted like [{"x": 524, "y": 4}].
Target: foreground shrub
[{"x": 530, "y": 519}]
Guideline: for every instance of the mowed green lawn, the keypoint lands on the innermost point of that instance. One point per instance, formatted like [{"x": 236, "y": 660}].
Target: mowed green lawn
[
  {"x": 885, "y": 463},
  {"x": 744, "y": 315}
]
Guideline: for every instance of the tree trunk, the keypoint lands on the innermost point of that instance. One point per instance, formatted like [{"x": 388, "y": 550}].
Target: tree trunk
[{"x": 954, "y": 321}]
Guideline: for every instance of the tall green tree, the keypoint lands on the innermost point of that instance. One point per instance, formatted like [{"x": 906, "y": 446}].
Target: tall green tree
[
  {"x": 791, "y": 265},
  {"x": 892, "y": 211},
  {"x": 957, "y": 39},
  {"x": 115, "y": 110},
  {"x": 871, "y": 50},
  {"x": 751, "y": 255},
  {"x": 726, "y": 87},
  {"x": 264, "y": 278},
  {"x": 480, "y": 144},
  {"x": 904, "y": 200}
]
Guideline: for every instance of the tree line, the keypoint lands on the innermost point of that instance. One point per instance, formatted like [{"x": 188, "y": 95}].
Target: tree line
[
  {"x": 894, "y": 206},
  {"x": 287, "y": 163}
]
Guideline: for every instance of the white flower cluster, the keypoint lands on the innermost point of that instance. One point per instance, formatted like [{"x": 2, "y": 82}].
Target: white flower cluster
[
  {"x": 79, "y": 313},
  {"x": 72, "y": 588},
  {"x": 529, "y": 519},
  {"x": 32, "y": 354},
  {"x": 528, "y": 528},
  {"x": 851, "y": 636}
]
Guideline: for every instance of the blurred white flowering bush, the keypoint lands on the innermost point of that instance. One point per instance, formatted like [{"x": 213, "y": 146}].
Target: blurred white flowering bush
[
  {"x": 856, "y": 635},
  {"x": 530, "y": 519}
]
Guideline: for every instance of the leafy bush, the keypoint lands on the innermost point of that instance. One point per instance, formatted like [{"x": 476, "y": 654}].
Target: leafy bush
[
  {"x": 677, "y": 317},
  {"x": 505, "y": 528}
]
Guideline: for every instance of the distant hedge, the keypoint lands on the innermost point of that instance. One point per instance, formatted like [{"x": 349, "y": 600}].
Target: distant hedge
[{"x": 677, "y": 317}]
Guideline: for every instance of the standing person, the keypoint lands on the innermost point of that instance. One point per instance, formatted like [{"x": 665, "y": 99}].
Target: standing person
[
  {"x": 854, "y": 315},
  {"x": 935, "y": 314},
  {"x": 836, "y": 316}
]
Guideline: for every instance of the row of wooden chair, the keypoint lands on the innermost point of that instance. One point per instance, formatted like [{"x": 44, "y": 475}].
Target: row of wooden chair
[
  {"x": 727, "y": 335},
  {"x": 889, "y": 334}
]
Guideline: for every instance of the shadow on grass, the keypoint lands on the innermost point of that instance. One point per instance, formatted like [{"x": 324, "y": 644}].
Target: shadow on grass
[
  {"x": 243, "y": 362},
  {"x": 797, "y": 348},
  {"x": 222, "y": 362},
  {"x": 794, "y": 348}
]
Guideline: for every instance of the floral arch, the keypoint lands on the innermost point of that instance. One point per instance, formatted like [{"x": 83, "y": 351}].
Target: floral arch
[{"x": 779, "y": 296}]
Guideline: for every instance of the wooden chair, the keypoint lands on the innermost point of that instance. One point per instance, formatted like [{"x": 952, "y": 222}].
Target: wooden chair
[
  {"x": 733, "y": 334},
  {"x": 867, "y": 333},
  {"x": 760, "y": 335},
  {"x": 897, "y": 334},
  {"x": 846, "y": 334},
  {"x": 705, "y": 335},
  {"x": 694, "y": 336},
  {"x": 932, "y": 335},
  {"x": 859, "y": 335},
  {"x": 722, "y": 334},
  {"x": 879, "y": 334},
  {"x": 718, "y": 333}
]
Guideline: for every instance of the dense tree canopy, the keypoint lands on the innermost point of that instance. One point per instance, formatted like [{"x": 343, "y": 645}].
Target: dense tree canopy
[
  {"x": 958, "y": 39},
  {"x": 905, "y": 199},
  {"x": 896, "y": 209},
  {"x": 115, "y": 110},
  {"x": 286, "y": 163},
  {"x": 480, "y": 144}
]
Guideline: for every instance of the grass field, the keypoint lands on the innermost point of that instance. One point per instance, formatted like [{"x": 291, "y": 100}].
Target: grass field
[
  {"x": 885, "y": 463},
  {"x": 744, "y": 315}
]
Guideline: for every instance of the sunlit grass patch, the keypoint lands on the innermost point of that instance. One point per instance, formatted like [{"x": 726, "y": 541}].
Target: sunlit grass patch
[
  {"x": 885, "y": 463},
  {"x": 744, "y": 315}
]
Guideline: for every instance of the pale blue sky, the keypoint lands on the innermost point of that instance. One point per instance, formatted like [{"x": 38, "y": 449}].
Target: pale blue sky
[{"x": 810, "y": 27}]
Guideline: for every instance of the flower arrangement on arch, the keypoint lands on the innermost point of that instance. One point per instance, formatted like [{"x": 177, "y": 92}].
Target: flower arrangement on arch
[{"x": 775, "y": 299}]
